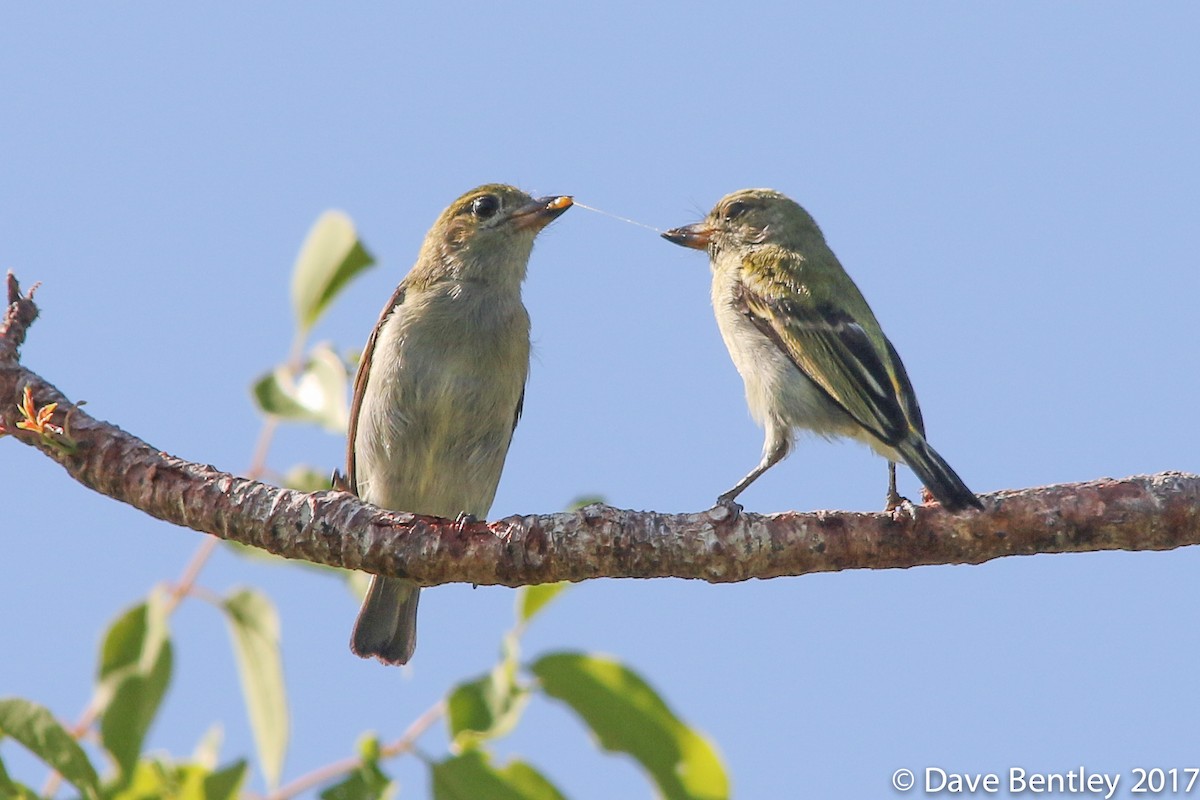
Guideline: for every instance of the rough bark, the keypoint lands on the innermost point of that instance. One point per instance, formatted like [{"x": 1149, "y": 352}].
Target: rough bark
[{"x": 1156, "y": 512}]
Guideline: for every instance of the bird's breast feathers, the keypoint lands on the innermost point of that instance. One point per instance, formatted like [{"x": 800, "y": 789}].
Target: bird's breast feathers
[
  {"x": 439, "y": 407},
  {"x": 778, "y": 392}
]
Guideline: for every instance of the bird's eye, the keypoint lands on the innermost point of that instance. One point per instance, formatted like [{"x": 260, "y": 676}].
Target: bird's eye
[
  {"x": 735, "y": 210},
  {"x": 486, "y": 206}
]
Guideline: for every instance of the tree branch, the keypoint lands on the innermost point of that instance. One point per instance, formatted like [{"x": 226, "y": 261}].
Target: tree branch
[{"x": 1158, "y": 512}]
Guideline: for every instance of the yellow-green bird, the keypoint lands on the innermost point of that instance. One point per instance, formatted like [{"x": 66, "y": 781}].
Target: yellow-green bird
[
  {"x": 811, "y": 353},
  {"x": 441, "y": 383}
]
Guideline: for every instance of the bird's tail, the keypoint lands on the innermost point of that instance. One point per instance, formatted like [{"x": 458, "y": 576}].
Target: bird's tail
[
  {"x": 387, "y": 624},
  {"x": 942, "y": 481}
]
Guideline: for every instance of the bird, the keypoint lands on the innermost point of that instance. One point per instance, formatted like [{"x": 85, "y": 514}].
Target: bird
[
  {"x": 807, "y": 345},
  {"x": 440, "y": 385}
]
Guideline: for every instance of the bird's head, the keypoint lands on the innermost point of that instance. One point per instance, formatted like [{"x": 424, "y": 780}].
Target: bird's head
[
  {"x": 747, "y": 218},
  {"x": 488, "y": 233}
]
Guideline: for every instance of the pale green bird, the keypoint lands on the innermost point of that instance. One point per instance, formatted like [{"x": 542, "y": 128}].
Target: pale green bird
[
  {"x": 808, "y": 348},
  {"x": 440, "y": 385}
]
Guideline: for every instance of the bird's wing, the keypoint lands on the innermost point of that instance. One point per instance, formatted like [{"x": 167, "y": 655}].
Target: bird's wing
[
  {"x": 836, "y": 351},
  {"x": 360, "y": 383},
  {"x": 908, "y": 396},
  {"x": 517, "y": 413}
]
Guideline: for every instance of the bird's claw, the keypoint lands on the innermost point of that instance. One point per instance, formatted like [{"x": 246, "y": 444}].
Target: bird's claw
[
  {"x": 896, "y": 500},
  {"x": 897, "y": 503},
  {"x": 731, "y": 507}
]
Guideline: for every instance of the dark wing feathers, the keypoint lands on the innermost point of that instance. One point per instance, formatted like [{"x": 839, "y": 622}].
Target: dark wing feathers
[
  {"x": 360, "y": 383},
  {"x": 520, "y": 408},
  {"x": 837, "y": 354},
  {"x": 908, "y": 397},
  {"x": 360, "y": 387}
]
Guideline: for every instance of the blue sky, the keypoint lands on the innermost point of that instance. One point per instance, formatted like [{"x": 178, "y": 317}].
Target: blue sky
[{"x": 1013, "y": 187}]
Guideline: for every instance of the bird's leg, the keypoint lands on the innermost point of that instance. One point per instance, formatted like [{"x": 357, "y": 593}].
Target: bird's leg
[
  {"x": 894, "y": 498},
  {"x": 774, "y": 450}
]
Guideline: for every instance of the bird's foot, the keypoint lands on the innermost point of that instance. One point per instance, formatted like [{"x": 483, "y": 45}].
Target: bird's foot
[
  {"x": 895, "y": 500},
  {"x": 898, "y": 504},
  {"x": 727, "y": 508},
  {"x": 338, "y": 481}
]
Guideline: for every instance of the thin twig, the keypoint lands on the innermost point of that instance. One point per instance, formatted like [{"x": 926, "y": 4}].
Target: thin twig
[
  {"x": 345, "y": 766},
  {"x": 258, "y": 461},
  {"x": 191, "y": 572}
]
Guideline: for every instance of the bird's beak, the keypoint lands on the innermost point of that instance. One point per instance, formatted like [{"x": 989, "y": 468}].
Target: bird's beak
[
  {"x": 695, "y": 236},
  {"x": 539, "y": 213}
]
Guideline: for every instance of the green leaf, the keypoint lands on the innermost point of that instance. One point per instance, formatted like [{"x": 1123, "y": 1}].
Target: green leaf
[
  {"x": 628, "y": 716},
  {"x": 11, "y": 790},
  {"x": 151, "y": 779},
  {"x": 532, "y": 599},
  {"x": 258, "y": 554},
  {"x": 489, "y": 706},
  {"x": 275, "y": 393},
  {"x": 368, "y": 781},
  {"x": 133, "y": 640},
  {"x": 585, "y": 500},
  {"x": 209, "y": 746},
  {"x": 368, "y": 748},
  {"x": 162, "y": 779},
  {"x": 262, "y": 556},
  {"x": 365, "y": 783},
  {"x": 317, "y": 394},
  {"x": 36, "y": 728},
  {"x": 470, "y": 776},
  {"x": 330, "y": 256},
  {"x": 323, "y": 387},
  {"x": 123, "y": 642},
  {"x": 223, "y": 784},
  {"x": 254, "y": 626},
  {"x": 136, "y": 660},
  {"x": 135, "y": 703},
  {"x": 304, "y": 478},
  {"x": 358, "y": 583}
]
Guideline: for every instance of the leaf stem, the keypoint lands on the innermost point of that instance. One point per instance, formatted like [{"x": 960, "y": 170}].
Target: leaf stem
[{"x": 324, "y": 774}]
